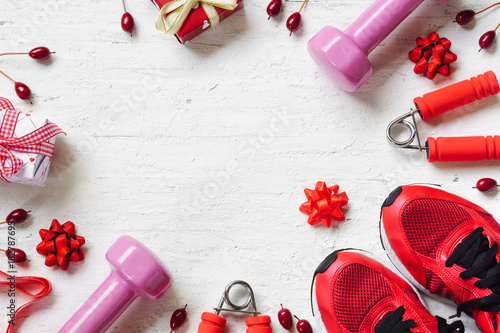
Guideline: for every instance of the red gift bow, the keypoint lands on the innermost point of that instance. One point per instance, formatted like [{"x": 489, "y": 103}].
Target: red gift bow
[
  {"x": 34, "y": 142},
  {"x": 432, "y": 55},
  {"x": 174, "y": 13},
  {"x": 60, "y": 244},
  {"x": 324, "y": 204},
  {"x": 20, "y": 283}
]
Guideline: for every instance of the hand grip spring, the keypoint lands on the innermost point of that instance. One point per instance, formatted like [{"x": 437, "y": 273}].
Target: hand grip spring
[{"x": 213, "y": 323}]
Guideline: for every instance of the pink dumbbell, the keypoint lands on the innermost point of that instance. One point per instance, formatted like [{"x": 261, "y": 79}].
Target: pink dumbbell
[
  {"x": 344, "y": 56},
  {"x": 135, "y": 271}
]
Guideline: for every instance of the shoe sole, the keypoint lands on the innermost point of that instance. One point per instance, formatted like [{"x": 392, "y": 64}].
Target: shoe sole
[{"x": 314, "y": 303}]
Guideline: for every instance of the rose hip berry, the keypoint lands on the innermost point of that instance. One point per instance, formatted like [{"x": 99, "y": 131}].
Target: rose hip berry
[
  {"x": 293, "y": 21},
  {"x": 20, "y": 88},
  {"x": 40, "y": 53},
  {"x": 178, "y": 318},
  {"x": 465, "y": 16},
  {"x": 303, "y": 326},
  {"x": 487, "y": 39},
  {"x": 16, "y": 216},
  {"x": 274, "y": 8},
  {"x": 23, "y": 91},
  {"x": 285, "y": 318},
  {"x": 486, "y": 184},
  {"x": 16, "y": 255},
  {"x": 128, "y": 24}
]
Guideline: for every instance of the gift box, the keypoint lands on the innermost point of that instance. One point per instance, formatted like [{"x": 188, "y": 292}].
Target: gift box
[
  {"x": 26, "y": 146},
  {"x": 186, "y": 19}
]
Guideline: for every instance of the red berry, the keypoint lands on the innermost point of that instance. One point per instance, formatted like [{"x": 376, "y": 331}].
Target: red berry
[
  {"x": 465, "y": 16},
  {"x": 40, "y": 53},
  {"x": 17, "y": 216},
  {"x": 487, "y": 39},
  {"x": 16, "y": 255},
  {"x": 178, "y": 318},
  {"x": 486, "y": 184},
  {"x": 274, "y": 8},
  {"x": 285, "y": 318},
  {"x": 293, "y": 22},
  {"x": 303, "y": 326},
  {"x": 22, "y": 91},
  {"x": 128, "y": 23}
]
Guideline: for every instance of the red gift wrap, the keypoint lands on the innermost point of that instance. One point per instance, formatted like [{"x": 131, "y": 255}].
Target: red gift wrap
[{"x": 197, "y": 20}]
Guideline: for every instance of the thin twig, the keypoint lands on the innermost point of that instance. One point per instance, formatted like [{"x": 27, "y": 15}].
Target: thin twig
[
  {"x": 13, "y": 53},
  {"x": 7, "y": 76},
  {"x": 303, "y": 4},
  {"x": 495, "y": 4}
]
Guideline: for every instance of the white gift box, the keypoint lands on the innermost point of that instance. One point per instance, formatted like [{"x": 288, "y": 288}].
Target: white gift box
[{"x": 35, "y": 166}]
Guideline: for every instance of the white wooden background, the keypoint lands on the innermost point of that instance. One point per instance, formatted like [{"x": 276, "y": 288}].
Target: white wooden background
[{"x": 202, "y": 151}]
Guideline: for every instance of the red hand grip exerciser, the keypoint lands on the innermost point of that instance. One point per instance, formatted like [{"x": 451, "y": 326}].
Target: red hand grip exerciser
[
  {"x": 474, "y": 148},
  {"x": 213, "y": 323}
]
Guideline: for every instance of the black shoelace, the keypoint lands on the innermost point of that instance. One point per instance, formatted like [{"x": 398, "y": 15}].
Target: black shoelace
[
  {"x": 394, "y": 323},
  {"x": 478, "y": 258}
]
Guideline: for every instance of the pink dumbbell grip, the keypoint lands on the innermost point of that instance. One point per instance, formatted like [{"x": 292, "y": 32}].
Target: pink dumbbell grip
[
  {"x": 135, "y": 271},
  {"x": 378, "y": 21},
  {"x": 113, "y": 297}
]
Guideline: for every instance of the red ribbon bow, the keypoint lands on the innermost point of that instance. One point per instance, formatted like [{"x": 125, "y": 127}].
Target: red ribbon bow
[
  {"x": 60, "y": 244},
  {"x": 34, "y": 142},
  {"x": 324, "y": 204},
  {"x": 432, "y": 55}
]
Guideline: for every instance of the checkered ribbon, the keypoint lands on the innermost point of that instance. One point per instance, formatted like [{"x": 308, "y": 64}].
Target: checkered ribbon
[{"x": 34, "y": 142}]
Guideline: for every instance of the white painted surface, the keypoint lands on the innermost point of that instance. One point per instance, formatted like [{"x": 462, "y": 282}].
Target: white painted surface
[{"x": 202, "y": 151}]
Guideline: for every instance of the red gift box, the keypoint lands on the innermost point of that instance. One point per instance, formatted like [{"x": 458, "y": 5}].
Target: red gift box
[{"x": 197, "y": 21}]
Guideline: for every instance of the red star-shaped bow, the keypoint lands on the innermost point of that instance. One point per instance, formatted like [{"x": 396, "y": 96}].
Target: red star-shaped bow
[
  {"x": 60, "y": 244},
  {"x": 324, "y": 204},
  {"x": 432, "y": 55}
]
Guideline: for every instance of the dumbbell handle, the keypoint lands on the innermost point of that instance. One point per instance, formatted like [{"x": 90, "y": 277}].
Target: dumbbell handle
[
  {"x": 378, "y": 21},
  {"x": 103, "y": 307},
  {"x": 456, "y": 95},
  {"x": 472, "y": 148}
]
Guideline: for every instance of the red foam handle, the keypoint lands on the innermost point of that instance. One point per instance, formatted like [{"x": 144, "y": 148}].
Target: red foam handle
[
  {"x": 469, "y": 148},
  {"x": 456, "y": 95},
  {"x": 259, "y": 324},
  {"x": 211, "y": 323}
]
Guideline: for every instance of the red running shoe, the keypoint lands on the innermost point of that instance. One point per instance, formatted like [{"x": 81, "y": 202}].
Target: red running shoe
[
  {"x": 352, "y": 293},
  {"x": 446, "y": 246}
]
